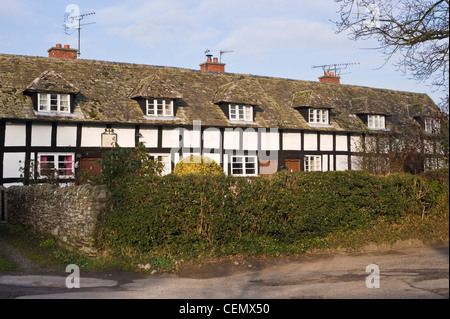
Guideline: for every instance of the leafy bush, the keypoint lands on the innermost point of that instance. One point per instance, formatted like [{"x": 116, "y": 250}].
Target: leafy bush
[
  {"x": 191, "y": 215},
  {"x": 120, "y": 162},
  {"x": 197, "y": 165}
]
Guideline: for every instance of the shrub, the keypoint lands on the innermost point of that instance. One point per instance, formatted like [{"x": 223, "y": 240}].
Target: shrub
[
  {"x": 120, "y": 162},
  {"x": 191, "y": 215},
  {"x": 197, "y": 164}
]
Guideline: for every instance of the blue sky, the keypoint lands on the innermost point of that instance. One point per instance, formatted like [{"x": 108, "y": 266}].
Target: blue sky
[{"x": 279, "y": 38}]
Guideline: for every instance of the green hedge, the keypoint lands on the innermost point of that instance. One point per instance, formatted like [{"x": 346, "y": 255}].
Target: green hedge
[{"x": 193, "y": 214}]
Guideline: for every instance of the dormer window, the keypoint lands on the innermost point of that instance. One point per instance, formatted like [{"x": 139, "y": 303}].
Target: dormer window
[
  {"x": 432, "y": 125},
  {"x": 52, "y": 102},
  {"x": 376, "y": 122},
  {"x": 159, "y": 107},
  {"x": 241, "y": 113},
  {"x": 318, "y": 116}
]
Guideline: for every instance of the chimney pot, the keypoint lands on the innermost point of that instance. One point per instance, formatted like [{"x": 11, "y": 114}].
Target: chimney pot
[
  {"x": 58, "y": 45},
  {"x": 216, "y": 60},
  {"x": 66, "y": 46}
]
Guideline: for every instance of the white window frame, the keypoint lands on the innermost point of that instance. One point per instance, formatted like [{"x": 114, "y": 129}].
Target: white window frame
[
  {"x": 152, "y": 107},
  {"x": 56, "y": 164},
  {"x": 312, "y": 163},
  {"x": 318, "y": 116},
  {"x": 376, "y": 122},
  {"x": 432, "y": 125},
  {"x": 165, "y": 159},
  {"x": 238, "y": 112},
  {"x": 246, "y": 166},
  {"x": 47, "y": 106}
]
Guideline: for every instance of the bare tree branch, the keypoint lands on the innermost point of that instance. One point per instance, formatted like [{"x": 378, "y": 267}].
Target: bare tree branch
[{"x": 417, "y": 29}]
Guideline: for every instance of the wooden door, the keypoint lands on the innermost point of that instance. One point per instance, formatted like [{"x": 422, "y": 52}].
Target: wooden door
[
  {"x": 292, "y": 165},
  {"x": 88, "y": 167}
]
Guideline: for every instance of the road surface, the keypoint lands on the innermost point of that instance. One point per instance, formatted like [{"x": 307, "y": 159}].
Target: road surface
[{"x": 411, "y": 273}]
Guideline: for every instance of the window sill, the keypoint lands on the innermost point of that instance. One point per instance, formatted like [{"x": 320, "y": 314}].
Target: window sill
[
  {"x": 242, "y": 122},
  {"x": 161, "y": 118},
  {"x": 68, "y": 114},
  {"x": 379, "y": 129},
  {"x": 319, "y": 125}
]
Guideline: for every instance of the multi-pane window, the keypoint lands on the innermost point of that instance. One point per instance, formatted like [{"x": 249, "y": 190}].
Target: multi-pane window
[
  {"x": 49, "y": 102},
  {"x": 376, "y": 122},
  {"x": 241, "y": 112},
  {"x": 318, "y": 116},
  {"x": 313, "y": 163},
  {"x": 244, "y": 166},
  {"x": 432, "y": 125},
  {"x": 164, "y": 159},
  {"x": 56, "y": 164},
  {"x": 159, "y": 107}
]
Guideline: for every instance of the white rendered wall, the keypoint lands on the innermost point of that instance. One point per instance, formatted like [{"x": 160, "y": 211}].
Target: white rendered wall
[
  {"x": 310, "y": 143},
  {"x": 66, "y": 135},
  {"x": 270, "y": 141},
  {"x": 326, "y": 142},
  {"x": 149, "y": 137},
  {"x": 125, "y": 136},
  {"x": 15, "y": 134},
  {"x": 211, "y": 138},
  {"x": 171, "y": 137},
  {"x": 356, "y": 163},
  {"x": 91, "y": 136},
  {"x": 12, "y": 162},
  {"x": 324, "y": 163},
  {"x": 292, "y": 141},
  {"x": 341, "y": 143},
  {"x": 341, "y": 162},
  {"x": 191, "y": 138},
  {"x": 215, "y": 157},
  {"x": 231, "y": 139},
  {"x": 250, "y": 140},
  {"x": 41, "y": 134},
  {"x": 356, "y": 143}
]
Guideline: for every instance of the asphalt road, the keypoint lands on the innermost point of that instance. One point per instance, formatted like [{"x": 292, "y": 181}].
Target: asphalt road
[{"x": 412, "y": 273}]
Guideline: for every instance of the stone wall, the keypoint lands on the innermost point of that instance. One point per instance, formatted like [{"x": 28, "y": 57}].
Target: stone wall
[{"x": 68, "y": 214}]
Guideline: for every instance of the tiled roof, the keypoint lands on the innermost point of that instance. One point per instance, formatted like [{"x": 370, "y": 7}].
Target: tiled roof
[{"x": 108, "y": 92}]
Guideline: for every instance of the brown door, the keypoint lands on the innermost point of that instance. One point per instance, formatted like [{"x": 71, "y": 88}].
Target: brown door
[
  {"x": 292, "y": 165},
  {"x": 88, "y": 167}
]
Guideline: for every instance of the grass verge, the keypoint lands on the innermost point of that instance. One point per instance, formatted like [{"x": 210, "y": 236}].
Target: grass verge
[
  {"x": 432, "y": 229},
  {"x": 47, "y": 254}
]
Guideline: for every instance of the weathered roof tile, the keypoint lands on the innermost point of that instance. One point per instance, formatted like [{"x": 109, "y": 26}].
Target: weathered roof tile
[{"x": 104, "y": 90}]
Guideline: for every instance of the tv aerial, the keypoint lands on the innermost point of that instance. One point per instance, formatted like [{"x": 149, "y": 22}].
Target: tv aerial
[
  {"x": 335, "y": 69},
  {"x": 221, "y": 52},
  {"x": 72, "y": 20}
]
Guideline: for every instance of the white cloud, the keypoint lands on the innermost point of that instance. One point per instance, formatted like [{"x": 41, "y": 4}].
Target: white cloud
[
  {"x": 212, "y": 22},
  {"x": 261, "y": 37},
  {"x": 156, "y": 22}
]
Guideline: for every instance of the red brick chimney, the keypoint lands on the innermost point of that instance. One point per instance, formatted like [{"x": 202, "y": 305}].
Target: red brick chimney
[
  {"x": 62, "y": 53},
  {"x": 329, "y": 77},
  {"x": 212, "y": 66}
]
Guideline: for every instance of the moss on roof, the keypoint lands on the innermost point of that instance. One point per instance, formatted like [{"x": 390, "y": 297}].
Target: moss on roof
[
  {"x": 242, "y": 91},
  {"x": 104, "y": 90},
  {"x": 51, "y": 82},
  {"x": 154, "y": 87}
]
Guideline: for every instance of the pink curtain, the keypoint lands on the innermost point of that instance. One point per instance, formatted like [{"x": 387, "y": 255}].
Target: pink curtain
[{"x": 69, "y": 165}]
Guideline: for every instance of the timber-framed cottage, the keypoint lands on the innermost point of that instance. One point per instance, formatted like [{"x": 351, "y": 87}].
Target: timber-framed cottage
[{"x": 62, "y": 113}]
